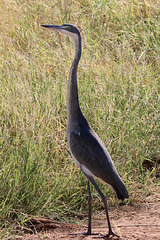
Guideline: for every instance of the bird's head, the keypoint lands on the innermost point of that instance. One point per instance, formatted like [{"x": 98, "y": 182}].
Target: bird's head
[{"x": 66, "y": 29}]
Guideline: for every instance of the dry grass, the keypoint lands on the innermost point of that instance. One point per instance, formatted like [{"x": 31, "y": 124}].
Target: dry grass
[{"x": 119, "y": 95}]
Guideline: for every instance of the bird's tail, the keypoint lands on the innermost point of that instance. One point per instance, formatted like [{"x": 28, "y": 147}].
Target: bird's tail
[{"x": 121, "y": 191}]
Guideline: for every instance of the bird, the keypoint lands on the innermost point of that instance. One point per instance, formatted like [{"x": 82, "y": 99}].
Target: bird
[{"x": 87, "y": 149}]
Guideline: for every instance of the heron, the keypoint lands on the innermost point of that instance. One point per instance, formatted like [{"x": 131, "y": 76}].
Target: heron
[{"x": 87, "y": 149}]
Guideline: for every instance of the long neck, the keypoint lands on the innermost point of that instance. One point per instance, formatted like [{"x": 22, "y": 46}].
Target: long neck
[{"x": 73, "y": 108}]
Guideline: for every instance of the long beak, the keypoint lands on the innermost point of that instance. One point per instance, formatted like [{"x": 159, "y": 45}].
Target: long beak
[{"x": 54, "y": 27}]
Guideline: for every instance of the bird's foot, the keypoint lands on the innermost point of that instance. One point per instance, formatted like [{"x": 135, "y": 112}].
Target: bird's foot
[
  {"x": 89, "y": 233},
  {"x": 85, "y": 234},
  {"x": 99, "y": 235},
  {"x": 111, "y": 233}
]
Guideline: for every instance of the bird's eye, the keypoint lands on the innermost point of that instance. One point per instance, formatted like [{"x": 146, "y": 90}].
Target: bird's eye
[{"x": 67, "y": 27}]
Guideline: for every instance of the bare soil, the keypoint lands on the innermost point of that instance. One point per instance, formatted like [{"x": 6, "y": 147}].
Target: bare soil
[{"x": 140, "y": 222}]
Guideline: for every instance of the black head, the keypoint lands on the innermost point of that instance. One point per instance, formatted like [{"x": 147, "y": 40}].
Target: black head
[
  {"x": 67, "y": 29},
  {"x": 71, "y": 28}
]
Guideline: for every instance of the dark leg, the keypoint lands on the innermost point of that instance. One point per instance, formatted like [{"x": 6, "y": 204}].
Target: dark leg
[
  {"x": 91, "y": 179},
  {"x": 89, "y": 209},
  {"x": 89, "y": 214}
]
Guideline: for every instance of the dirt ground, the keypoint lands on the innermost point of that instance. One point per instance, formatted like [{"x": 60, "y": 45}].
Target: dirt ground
[{"x": 140, "y": 222}]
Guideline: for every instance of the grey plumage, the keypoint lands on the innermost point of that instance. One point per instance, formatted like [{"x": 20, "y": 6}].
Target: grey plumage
[{"x": 87, "y": 149}]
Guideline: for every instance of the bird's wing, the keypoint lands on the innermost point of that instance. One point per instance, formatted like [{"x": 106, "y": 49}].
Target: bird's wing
[{"x": 89, "y": 150}]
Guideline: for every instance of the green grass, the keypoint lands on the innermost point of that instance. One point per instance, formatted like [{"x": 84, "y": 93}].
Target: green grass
[{"x": 119, "y": 87}]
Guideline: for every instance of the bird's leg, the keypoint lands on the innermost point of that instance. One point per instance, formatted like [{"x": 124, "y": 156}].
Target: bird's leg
[
  {"x": 104, "y": 199},
  {"x": 89, "y": 209},
  {"x": 89, "y": 214},
  {"x": 89, "y": 232},
  {"x": 91, "y": 179}
]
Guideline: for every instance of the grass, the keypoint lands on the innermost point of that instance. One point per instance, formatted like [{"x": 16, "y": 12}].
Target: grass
[{"x": 119, "y": 87}]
